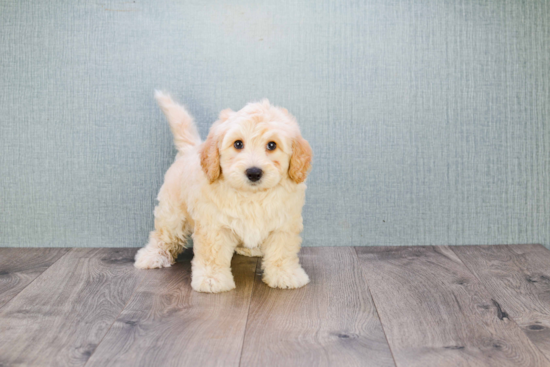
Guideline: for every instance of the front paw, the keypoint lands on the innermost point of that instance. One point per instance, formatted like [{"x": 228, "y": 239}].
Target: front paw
[
  {"x": 278, "y": 277},
  {"x": 212, "y": 282}
]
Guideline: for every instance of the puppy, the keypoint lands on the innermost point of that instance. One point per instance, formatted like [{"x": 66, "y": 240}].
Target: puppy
[{"x": 241, "y": 190}]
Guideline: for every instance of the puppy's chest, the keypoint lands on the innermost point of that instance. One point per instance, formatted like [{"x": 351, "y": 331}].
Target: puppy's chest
[{"x": 253, "y": 221}]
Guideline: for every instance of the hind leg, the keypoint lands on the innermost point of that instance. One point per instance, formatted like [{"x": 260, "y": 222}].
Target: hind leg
[{"x": 168, "y": 239}]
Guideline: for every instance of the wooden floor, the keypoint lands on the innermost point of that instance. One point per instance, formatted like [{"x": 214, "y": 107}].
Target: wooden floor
[{"x": 367, "y": 306}]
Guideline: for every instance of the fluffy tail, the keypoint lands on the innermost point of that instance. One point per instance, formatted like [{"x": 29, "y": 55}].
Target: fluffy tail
[{"x": 181, "y": 122}]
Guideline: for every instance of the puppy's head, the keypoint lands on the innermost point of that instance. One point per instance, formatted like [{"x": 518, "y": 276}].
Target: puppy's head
[{"x": 256, "y": 148}]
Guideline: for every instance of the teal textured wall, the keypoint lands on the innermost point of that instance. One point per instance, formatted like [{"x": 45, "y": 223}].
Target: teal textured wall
[{"x": 429, "y": 119}]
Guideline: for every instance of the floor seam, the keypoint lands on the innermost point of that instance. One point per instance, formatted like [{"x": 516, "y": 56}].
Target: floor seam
[
  {"x": 258, "y": 261},
  {"x": 375, "y": 307}
]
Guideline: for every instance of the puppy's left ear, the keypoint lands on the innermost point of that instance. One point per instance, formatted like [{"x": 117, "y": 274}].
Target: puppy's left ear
[
  {"x": 300, "y": 162},
  {"x": 210, "y": 158}
]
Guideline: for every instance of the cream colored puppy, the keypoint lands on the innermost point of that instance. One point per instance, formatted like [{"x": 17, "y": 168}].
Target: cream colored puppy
[{"x": 241, "y": 190}]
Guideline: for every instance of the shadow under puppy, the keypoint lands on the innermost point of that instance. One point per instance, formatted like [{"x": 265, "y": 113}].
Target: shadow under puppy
[{"x": 241, "y": 190}]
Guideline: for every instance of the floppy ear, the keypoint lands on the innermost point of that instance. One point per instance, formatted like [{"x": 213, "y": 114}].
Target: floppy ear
[
  {"x": 300, "y": 162},
  {"x": 225, "y": 114},
  {"x": 210, "y": 158}
]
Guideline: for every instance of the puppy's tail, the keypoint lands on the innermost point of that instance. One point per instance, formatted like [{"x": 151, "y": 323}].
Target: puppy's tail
[{"x": 181, "y": 122}]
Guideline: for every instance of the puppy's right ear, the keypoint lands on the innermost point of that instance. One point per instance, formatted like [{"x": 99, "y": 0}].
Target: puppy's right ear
[
  {"x": 210, "y": 158},
  {"x": 225, "y": 114}
]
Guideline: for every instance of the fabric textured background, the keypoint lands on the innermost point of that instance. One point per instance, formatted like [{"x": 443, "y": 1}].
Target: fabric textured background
[{"x": 429, "y": 119}]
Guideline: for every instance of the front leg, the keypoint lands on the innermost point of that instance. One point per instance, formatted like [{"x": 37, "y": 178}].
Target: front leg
[
  {"x": 211, "y": 265},
  {"x": 280, "y": 262}
]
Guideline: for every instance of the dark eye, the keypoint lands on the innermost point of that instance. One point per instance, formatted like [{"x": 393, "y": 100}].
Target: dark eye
[
  {"x": 271, "y": 145},
  {"x": 238, "y": 144}
]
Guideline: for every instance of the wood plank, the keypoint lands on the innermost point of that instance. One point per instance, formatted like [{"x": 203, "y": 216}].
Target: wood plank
[
  {"x": 168, "y": 324},
  {"x": 436, "y": 313},
  {"x": 20, "y": 266},
  {"x": 330, "y": 322},
  {"x": 59, "y": 319},
  {"x": 518, "y": 277}
]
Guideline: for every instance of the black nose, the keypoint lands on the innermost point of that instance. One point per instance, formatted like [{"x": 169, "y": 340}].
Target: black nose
[{"x": 254, "y": 174}]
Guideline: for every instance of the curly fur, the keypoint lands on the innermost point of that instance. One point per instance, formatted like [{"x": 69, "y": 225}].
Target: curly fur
[{"x": 207, "y": 195}]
